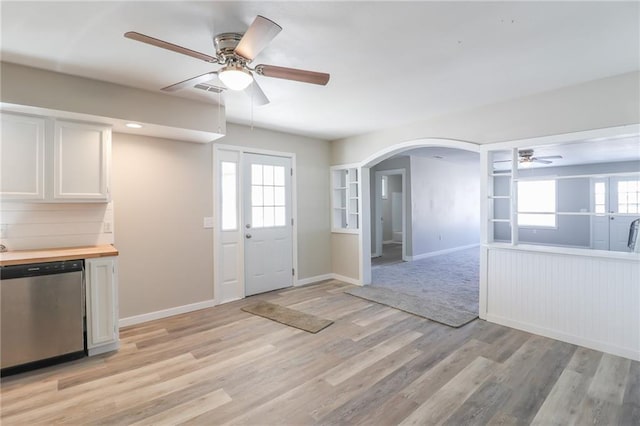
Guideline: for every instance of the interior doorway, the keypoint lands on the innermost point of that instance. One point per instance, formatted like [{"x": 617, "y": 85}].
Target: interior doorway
[{"x": 389, "y": 217}]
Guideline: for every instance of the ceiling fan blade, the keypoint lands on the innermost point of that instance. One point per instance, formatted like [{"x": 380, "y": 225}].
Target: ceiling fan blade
[
  {"x": 254, "y": 91},
  {"x": 293, "y": 74},
  {"x": 170, "y": 46},
  {"x": 190, "y": 82},
  {"x": 258, "y": 35},
  {"x": 537, "y": 160},
  {"x": 549, "y": 157}
]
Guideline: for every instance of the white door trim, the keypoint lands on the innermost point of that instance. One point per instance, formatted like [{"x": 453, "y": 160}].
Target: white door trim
[{"x": 241, "y": 150}]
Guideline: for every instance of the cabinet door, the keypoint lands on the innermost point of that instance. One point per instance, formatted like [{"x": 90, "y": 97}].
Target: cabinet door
[
  {"x": 22, "y": 157},
  {"x": 81, "y": 161},
  {"x": 102, "y": 308}
]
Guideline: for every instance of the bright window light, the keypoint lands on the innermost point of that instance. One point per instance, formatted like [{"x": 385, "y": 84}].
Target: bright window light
[
  {"x": 384, "y": 187},
  {"x": 537, "y": 203},
  {"x": 229, "y": 205}
]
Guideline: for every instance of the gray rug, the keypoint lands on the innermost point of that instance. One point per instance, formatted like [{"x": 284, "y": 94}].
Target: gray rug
[
  {"x": 441, "y": 288},
  {"x": 290, "y": 317}
]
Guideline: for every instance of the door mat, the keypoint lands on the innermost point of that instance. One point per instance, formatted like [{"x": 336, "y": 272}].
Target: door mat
[
  {"x": 429, "y": 309},
  {"x": 290, "y": 317}
]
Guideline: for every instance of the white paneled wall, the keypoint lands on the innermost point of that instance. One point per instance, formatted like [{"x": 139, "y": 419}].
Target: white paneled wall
[
  {"x": 47, "y": 225},
  {"x": 583, "y": 299}
]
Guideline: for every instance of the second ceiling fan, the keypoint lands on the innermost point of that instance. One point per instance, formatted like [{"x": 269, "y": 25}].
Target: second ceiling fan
[{"x": 235, "y": 51}]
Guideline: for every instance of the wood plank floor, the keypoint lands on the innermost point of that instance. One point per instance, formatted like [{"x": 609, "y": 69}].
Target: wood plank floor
[{"x": 374, "y": 365}]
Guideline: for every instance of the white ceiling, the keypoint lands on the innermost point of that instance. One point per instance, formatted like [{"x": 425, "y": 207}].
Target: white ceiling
[{"x": 390, "y": 63}]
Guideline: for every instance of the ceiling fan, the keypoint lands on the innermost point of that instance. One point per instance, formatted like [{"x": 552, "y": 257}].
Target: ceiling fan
[
  {"x": 526, "y": 158},
  {"x": 235, "y": 51}
]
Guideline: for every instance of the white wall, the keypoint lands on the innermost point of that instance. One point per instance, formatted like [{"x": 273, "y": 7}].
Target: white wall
[
  {"x": 445, "y": 207},
  {"x": 582, "y": 299}
]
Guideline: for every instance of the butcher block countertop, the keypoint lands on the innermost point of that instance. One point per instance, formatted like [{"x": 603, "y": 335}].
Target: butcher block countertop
[{"x": 22, "y": 257}]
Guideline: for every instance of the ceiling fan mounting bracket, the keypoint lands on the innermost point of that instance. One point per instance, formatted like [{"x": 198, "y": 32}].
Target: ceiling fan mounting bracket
[{"x": 225, "y": 45}]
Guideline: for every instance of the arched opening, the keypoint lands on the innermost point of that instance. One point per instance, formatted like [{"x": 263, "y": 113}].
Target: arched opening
[{"x": 438, "y": 183}]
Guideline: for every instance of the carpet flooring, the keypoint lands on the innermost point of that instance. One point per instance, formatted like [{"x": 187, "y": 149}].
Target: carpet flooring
[{"x": 441, "y": 288}]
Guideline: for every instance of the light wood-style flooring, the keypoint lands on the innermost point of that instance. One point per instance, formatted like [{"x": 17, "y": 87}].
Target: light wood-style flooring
[{"x": 375, "y": 366}]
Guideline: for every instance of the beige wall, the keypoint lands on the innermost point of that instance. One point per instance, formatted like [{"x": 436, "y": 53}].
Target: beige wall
[
  {"x": 343, "y": 261},
  {"x": 161, "y": 192}
]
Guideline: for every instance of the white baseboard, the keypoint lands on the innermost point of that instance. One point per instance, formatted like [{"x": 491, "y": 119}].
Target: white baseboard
[
  {"x": 311, "y": 280},
  {"x": 347, "y": 280},
  {"x": 439, "y": 252},
  {"x": 137, "y": 319},
  {"x": 569, "y": 338}
]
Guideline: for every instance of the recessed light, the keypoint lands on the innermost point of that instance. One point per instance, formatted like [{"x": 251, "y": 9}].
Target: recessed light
[{"x": 134, "y": 125}]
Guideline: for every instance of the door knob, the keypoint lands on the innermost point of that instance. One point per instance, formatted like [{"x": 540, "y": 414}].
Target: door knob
[{"x": 247, "y": 236}]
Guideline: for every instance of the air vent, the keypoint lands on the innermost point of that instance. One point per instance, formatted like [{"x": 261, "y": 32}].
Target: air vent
[{"x": 209, "y": 88}]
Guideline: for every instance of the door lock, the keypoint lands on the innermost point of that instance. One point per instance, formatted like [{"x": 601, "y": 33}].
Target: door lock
[{"x": 248, "y": 226}]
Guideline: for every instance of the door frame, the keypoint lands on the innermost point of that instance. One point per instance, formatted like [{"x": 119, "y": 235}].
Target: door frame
[
  {"x": 378, "y": 207},
  {"x": 217, "y": 217}
]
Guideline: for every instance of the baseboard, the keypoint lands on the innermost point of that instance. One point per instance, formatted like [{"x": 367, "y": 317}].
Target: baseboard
[
  {"x": 347, "y": 280},
  {"x": 311, "y": 280},
  {"x": 439, "y": 252},
  {"x": 569, "y": 338},
  {"x": 137, "y": 319}
]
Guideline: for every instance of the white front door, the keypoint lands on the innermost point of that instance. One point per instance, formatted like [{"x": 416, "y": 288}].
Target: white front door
[
  {"x": 616, "y": 195},
  {"x": 268, "y": 248}
]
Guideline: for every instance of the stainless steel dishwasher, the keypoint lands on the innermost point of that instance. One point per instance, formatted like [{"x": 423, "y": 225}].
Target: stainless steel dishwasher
[{"x": 42, "y": 315}]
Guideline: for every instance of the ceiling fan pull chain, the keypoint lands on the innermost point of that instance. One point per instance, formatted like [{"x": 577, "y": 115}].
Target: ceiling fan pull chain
[
  {"x": 253, "y": 89},
  {"x": 219, "y": 111}
]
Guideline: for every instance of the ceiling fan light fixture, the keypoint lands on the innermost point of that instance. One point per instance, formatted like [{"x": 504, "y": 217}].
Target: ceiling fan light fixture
[{"x": 235, "y": 77}]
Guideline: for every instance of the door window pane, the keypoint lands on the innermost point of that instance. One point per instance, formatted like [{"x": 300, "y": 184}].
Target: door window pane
[
  {"x": 280, "y": 216},
  {"x": 228, "y": 184},
  {"x": 256, "y": 174},
  {"x": 628, "y": 196},
  {"x": 267, "y": 192}
]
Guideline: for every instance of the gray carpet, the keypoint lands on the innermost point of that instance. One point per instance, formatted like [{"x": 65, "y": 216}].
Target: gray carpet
[{"x": 441, "y": 288}]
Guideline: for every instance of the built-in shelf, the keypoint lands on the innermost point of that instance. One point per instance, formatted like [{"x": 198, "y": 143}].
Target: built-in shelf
[{"x": 345, "y": 199}]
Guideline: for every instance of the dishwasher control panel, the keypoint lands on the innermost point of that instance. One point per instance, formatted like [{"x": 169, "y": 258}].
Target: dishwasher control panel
[{"x": 37, "y": 269}]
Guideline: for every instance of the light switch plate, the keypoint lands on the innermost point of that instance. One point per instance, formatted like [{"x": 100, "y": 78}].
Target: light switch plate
[
  {"x": 3, "y": 230},
  {"x": 107, "y": 227},
  {"x": 208, "y": 222}
]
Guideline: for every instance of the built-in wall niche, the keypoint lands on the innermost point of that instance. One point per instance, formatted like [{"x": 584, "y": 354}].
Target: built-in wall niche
[
  {"x": 582, "y": 195},
  {"x": 345, "y": 197}
]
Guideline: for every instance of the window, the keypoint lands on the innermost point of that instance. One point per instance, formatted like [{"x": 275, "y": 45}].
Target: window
[
  {"x": 267, "y": 196},
  {"x": 384, "y": 187},
  {"x": 229, "y": 204},
  {"x": 600, "y": 199},
  {"x": 537, "y": 203},
  {"x": 628, "y": 196}
]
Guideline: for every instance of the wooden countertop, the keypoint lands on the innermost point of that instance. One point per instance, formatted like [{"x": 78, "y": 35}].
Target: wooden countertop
[{"x": 22, "y": 257}]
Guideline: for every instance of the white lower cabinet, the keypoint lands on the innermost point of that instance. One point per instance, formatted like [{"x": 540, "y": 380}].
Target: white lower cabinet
[{"x": 102, "y": 304}]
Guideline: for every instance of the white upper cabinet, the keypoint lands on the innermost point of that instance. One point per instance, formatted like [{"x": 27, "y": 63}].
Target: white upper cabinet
[
  {"x": 44, "y": 159},
  {"x": 81, "y": 161},
  {"x": 22, "y": 145}
]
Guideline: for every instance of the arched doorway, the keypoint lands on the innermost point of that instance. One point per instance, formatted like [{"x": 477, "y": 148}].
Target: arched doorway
[{"x": 365, "y": 168}]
